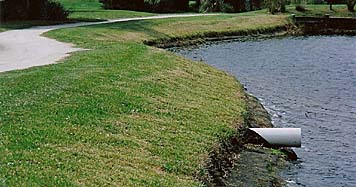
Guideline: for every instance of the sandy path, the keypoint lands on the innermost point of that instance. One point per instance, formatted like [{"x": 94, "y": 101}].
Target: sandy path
[{"x": 25, "y": 48}]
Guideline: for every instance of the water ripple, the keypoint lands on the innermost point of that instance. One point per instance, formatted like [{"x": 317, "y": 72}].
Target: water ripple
[{"x": 307, "y": 82}]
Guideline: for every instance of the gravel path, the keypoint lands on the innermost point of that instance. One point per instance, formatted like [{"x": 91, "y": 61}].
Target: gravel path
[{"x": 25, "y": 48}]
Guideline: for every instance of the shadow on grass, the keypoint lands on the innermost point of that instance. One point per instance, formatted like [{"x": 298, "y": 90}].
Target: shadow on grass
[
  {"x": 142, "y": 26},
  {"x": 11, "y": 25}
]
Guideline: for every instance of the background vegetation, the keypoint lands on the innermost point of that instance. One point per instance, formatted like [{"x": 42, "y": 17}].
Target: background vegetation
[
  {"x": 148, "y": 5},
  {"x": 184, "y": 5},
  {"x": 91, "y": 10},
  {"x": 32, "y": 10}
]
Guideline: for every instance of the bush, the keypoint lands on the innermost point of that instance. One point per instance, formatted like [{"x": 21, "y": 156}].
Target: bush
[
  {"x": 167, "y": 5},
  {"x": 350, "y": 5},
  {"x": 300, "y": 8},
  {"x": 276, "y": 5},
  {"x": 257, "y": 4},
  {"x": 239, "y": 5},
  {"x": 229, "y": 5},
  {"x": 55, "y": 11},
  {"x": 215, "y": 6},
  {"x": 138, "y": 5},
  {"x": 32, "y": 10}
]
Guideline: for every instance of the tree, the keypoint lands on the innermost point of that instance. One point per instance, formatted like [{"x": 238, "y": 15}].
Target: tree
[
  {"x": 330, "y": 2},
  {"x": 31, "y": 10},
  {"x": 350, "y": 5},
  {"x": 138, "y": 5},
  {"x": 147, "y": 5},
  {"x": 167, "y": 5},
  {"x": 276, "y": 5}
]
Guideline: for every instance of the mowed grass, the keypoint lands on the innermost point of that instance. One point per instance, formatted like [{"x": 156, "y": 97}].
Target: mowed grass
[
  {"x": 321, "y": 10},
  {"x": 92, "y": 10},
  {"x": 126, "y": 115},
  {"x": 122, "y": 113},
  {"x": 139, "y": 31}
]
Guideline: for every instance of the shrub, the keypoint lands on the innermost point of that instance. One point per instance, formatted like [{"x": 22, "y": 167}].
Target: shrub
[
  {"x": 276, "y": 5},
  {"x": 239, "y": 5},
  {"x": 55, "y": 11},
  {"x": 138, "y": 5},
  {"x": 32, "y": 10},
  {"x": 350, "y": 5},
  {"x": 229, "y": 5},
  {"x": 300, "y": 8},
  {"x": 256, "y": 4},
  {"x": 215, "y": 6},
  {"x": 167, "y": 5}
]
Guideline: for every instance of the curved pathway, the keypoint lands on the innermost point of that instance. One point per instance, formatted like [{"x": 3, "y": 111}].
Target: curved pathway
[{"x": 25, "y": 48}]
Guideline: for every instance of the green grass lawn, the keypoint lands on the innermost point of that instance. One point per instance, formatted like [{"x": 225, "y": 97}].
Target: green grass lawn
[
  {"x": 122, "y": 113},
  {"x": 92, "y": 10},
  {"x": 81, "y": 4},
  {"x": 321, "y": 10}
]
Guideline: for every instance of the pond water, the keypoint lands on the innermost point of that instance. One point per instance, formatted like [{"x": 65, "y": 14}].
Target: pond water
[{"x": 304, "y": 82}]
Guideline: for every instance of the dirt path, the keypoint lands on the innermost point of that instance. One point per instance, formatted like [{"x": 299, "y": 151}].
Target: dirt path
[{"x": 25, "y": 48}]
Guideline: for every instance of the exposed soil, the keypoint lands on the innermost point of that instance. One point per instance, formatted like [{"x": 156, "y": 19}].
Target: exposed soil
[
  {"x": 216, "y": 36},
  {"x": 244, "y": 159}
]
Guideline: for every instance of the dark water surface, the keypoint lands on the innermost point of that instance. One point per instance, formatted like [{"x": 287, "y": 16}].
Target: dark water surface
[{"x": 306, "y": 82}]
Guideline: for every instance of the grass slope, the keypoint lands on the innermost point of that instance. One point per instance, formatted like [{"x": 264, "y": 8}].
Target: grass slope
[
  {"x": 127, "y": 115},
  {"x": 138, "y": 31},
  {"x": 123, "y": 113}
]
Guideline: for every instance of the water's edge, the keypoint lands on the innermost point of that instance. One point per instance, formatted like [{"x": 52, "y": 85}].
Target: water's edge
[
  {"x": 254, "y": 166},
  {"x": 237, "y": 162},
  {"x": 198, "y": 39},
  {"x": 234, "y": 161},
  {"x": 307, "y": 82}
]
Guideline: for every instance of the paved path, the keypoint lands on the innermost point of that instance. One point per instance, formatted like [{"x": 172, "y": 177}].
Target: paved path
[{"x": 25, "y": 48}]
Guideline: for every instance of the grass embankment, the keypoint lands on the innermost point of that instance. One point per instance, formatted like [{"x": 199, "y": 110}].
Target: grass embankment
[
  {"x": 162, "y": 29},
  {"x": 123, "y": 113}
]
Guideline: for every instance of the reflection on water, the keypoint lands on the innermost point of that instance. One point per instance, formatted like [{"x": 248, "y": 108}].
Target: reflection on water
[{"x": 306, "y": 82}]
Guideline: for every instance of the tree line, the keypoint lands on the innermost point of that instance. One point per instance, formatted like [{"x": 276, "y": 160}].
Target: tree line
[
  {"x": 183, "y": 5},
  {"x": 31, "y": 10},
  {"x": 53, "y": 10}
]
